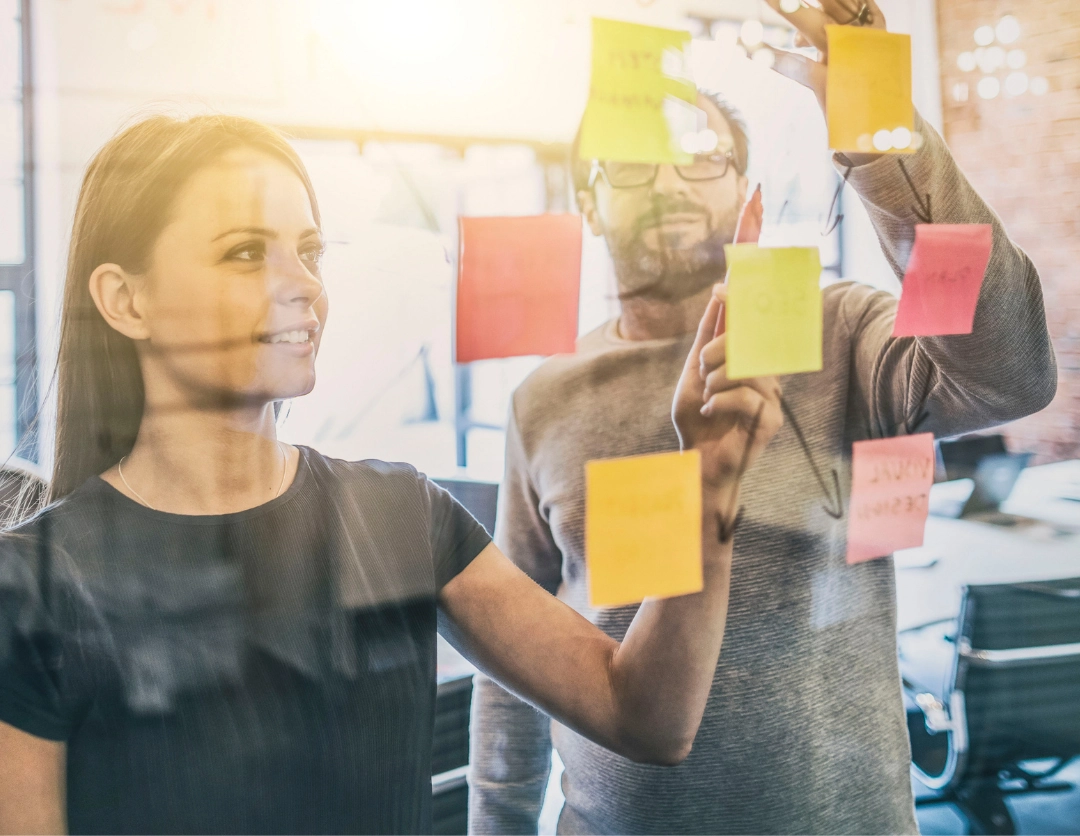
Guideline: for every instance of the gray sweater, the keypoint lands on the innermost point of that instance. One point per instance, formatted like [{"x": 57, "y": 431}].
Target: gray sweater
[{"x": 804, "y": 730}]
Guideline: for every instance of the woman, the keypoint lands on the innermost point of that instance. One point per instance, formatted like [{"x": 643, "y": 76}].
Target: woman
[{"x": 209, "y": 630}]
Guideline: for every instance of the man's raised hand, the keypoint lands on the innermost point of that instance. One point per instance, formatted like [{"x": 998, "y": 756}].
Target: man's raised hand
[
  {"x": 810, "y": 21},
  {"x": 728, "y": 421}
]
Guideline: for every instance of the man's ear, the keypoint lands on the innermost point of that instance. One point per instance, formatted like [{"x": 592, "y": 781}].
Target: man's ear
[
  {"x": 120, "y": 299},
  {"x": 586, "y": 200},
  {"x": 742, "y": 184}
]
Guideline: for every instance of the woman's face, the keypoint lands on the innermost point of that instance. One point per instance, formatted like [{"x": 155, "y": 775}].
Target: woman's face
[{"x": 234, "y": 302}]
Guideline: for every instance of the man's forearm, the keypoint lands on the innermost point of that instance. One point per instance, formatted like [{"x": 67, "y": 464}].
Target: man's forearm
[
  {"x": 509, "y": 761},
  {"x": 1005, "y": 368}
]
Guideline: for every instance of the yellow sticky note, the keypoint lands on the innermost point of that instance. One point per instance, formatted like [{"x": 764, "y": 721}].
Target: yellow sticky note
[
  {"x": 868, "y": 91},
  {"x": 641, "y": 101},
  {"x": 774, "y": 311},
  {"x": 643, "y": 527}
]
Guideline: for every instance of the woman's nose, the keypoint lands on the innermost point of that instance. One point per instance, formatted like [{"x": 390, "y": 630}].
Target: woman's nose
[{"x": 297, "y": 285}]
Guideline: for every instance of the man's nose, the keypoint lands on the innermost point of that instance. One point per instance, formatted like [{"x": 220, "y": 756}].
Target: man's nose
[{"x": 668, "y": 180}]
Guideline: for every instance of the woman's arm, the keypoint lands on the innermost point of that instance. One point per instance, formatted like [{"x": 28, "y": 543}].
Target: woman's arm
[
  {"x": 643, "y": 698},
  {"x": 31, "y": 783}
]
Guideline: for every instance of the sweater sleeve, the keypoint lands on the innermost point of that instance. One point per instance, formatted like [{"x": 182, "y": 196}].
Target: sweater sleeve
[
  {"x": 510, "y": 741},
  {"x": 1003, "y": 370}
]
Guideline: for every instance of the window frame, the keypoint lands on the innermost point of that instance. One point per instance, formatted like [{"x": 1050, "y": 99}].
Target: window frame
[{"x": 19, "y": 278}]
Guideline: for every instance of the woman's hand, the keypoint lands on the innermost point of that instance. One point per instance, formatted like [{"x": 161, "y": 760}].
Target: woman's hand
[
  {"x": 729, "y": 421},
  {"x": 810, "y": 23}
]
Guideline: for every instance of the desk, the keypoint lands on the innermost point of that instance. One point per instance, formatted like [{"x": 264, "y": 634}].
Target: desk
[
  {"x": 1044, "y": 546},
  {"x": 965, "y": 552},
  {"x": 1049, "y": 492}
]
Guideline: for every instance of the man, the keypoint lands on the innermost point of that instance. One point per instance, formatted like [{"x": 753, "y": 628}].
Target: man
[{"x": 804, "y": 730}]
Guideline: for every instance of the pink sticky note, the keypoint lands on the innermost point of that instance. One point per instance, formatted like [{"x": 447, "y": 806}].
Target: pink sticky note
[
  {"x": 890, "y": 487},
  {"x": 518, "y": 286},
  {"x": 943, "y": 279}
]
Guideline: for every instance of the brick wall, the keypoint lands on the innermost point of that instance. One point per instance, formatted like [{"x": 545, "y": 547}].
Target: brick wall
[{"x": 1023, "y": 155}]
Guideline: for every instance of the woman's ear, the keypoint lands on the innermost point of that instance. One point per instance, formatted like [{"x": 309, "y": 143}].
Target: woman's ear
[
  {"x": 586, "y": 201},
  {"x": 120, "y": 299}
]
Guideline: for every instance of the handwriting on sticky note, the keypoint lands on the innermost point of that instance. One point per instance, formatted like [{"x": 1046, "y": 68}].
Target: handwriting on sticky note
[
  {"x": 518, "y": 286},
  {"x": 890, "y": 489},
  {"x": 774, "y": 310},
  {"x": 643, "y": 527},
  {"x": 640, "y": 101},
  {"x": 943, "y": 279},
  {"x": 868, "y": 89}
]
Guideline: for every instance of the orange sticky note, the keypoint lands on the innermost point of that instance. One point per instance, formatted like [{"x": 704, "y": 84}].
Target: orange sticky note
[
  {"x": 518, "y": 286},
  {"x": 643, "y": 527},
  {"x": 868, "y": 91},
  {"x": 890, "y": 487},
  {"x": 943, "y": 279}
]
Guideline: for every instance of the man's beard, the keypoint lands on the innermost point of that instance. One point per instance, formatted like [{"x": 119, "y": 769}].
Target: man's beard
[{"x": 667, "y": 273}]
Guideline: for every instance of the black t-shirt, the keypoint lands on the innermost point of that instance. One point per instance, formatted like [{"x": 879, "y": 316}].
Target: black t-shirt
[{"x": 270, "y": 671}]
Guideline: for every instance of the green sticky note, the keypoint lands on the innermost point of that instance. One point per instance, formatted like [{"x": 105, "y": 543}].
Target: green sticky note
[
  {"x": 868, "y": 91},
  {"x": 641, "y": 101},
  {"x": 774, "y": 313}
]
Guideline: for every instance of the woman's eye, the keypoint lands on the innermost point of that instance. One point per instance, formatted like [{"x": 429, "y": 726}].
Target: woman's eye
[
  {"x": 248, "y": 252},
  {"x": 313, "y": 256}
]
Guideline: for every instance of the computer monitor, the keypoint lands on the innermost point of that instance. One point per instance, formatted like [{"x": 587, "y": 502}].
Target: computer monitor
[{"x": 994, "y": 479}]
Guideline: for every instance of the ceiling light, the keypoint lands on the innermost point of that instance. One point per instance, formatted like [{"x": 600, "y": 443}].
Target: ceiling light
[
  {"x": 883, "y": 140},
  {"x": 752, "y": 33},
  {"x": 1007, "y": 29},
  {"x": 984, "y": 35},
  {"x": 966, "y": 61},
  {"x": 1016, "y": 84},
  {"x": 989, "y": 87}
]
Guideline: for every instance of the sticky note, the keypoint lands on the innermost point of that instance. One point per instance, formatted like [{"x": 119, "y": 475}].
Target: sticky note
[
  {"x": 774, "y": 310},
  {"x": 890, "y": 487},
  {"x": 641, "y": 101},
  {"x": 868, "y": 89},
  {"x": 943, "y": 279},
  {"x": 643, "y": 527},
  {"x": 518, "y": 286}
]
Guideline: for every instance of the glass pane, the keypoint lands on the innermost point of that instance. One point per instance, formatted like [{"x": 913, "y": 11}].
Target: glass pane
[
  {"x": 11, "y": 140},
  {"x": 7, "y": 373},
  {"x": 12, "y": 232},
  {"x": 10, "y": 50}
]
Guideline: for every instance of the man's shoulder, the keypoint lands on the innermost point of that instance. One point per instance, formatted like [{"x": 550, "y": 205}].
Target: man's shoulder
[
  {"x": 559, "y": 378},
  {"x": 850, "y": 302}
]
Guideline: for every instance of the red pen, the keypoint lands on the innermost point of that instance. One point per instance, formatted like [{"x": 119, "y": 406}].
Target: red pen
[{"x": 748, "y": 231}]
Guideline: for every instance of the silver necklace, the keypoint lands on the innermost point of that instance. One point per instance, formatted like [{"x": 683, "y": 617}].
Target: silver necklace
[{"x": 138, "y": 496}]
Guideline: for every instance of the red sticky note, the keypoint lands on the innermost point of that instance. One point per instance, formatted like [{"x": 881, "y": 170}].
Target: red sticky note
[
  {"x": 890, "y": 488},
  {"x": 518, "y": 286},
  {"x": 943, "y": 279}
]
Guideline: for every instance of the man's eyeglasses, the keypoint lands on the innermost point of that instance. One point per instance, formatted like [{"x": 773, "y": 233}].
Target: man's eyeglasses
[{"x": 635, "y": 175}]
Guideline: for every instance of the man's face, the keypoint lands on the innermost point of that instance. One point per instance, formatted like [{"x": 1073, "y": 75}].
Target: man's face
[{"x": 667, "y": 239}]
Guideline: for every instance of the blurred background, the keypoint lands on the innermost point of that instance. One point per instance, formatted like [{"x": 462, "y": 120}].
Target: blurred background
[{"x": 411, "y": 113}]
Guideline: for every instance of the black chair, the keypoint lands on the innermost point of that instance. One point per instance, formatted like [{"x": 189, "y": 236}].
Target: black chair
[
  {"x": 453, "y": 699},
  {"x": 479, "y": 498},
  {"x": 962, "y": 455},
  {"x": 993, "y": 693}
]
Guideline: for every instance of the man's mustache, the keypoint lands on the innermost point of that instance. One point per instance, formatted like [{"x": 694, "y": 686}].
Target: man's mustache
[{"x": 658, "y": 212}]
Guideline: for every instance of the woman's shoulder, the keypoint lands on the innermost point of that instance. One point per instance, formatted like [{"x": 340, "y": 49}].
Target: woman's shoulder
[{"x": 364, "y": 474}]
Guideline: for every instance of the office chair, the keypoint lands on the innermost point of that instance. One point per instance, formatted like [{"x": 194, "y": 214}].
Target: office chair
[
  {"x": 1008, "y": 697},
  {"x": 453, "y": 698}
]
